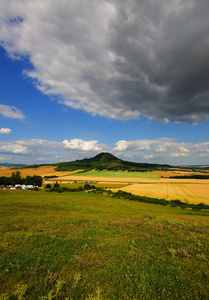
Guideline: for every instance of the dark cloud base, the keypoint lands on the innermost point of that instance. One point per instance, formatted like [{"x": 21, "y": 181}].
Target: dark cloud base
[{"x": 116, "y": 58}]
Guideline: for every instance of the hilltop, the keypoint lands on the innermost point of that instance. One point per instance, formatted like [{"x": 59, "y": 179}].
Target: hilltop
[{"x": 107, "y": 161}]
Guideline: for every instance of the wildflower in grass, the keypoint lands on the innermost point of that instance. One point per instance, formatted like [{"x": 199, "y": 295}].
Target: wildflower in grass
[{"x": 20, "y": 290}]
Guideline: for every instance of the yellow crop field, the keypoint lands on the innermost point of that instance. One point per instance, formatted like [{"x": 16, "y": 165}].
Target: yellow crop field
[
  {"x": 171, "y": 173},
  {"x": 41, "y": 171},
  {"x": 186, "y": 192}
]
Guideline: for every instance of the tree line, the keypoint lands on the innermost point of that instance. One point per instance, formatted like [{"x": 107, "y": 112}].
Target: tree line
[
  {"x": 194, "y": 176},
  {"x": 129, "y": 196},
  {"x": 16, "y": 178}
]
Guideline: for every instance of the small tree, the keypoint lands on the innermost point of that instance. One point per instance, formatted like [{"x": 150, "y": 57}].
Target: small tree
[
  {"x": 56, "y": 185},
  {"x": 87, "y": 186},
  {"x": 48, "y": 186},
  {"x": 16, "y": 178},
  {"x": 37, "y": 180},
  {"x": 28, "y": 180}
]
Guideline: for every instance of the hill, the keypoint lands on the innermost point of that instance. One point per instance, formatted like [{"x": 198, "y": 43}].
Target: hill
[
  {"x": 11, "y": 165},
  {"x": 107, "y": 161}
]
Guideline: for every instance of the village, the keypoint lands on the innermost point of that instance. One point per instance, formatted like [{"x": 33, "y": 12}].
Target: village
[{"x": 18, "y": 187}]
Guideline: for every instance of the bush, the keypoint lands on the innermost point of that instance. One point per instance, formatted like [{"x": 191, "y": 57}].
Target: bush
[
  {"x": 56, "y": 185},
  {"x": 87, "y": 186},
  {"x": 48, "y": 186}
]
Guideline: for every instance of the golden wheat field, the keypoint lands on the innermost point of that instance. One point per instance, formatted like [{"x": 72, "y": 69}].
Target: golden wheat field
[
  {"x": 186, "y": 190},
  {"x": 195, "y": 192},
  {"x": 41, "y": 171},
  {"x": 170, "y": 173}
]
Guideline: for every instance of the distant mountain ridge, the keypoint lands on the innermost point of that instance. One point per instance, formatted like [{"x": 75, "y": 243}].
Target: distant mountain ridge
[
  {"x": 107, "y": 161},
  {"x": 11, "y": 165}
]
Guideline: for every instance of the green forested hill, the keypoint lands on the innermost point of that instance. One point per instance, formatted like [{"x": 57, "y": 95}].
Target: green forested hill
[{"x": 106, "y": 161}]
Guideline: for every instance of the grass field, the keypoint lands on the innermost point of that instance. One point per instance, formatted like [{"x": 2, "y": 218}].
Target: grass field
[
  {"x": 194, "y": 192},
  {"x": 118, "y": 174},
  {"x": 108, "y": 185},
  {"x": 86, "y": 246},
  {"x": 186, "y": 190}
]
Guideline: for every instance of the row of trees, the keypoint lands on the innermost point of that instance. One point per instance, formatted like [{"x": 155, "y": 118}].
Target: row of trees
[
  {"x": 173, "y": 203},
  {"x": 194, "y": 176},
  {"x": 129, "y": 196},
  {"x": 57, "y": 188},
  {"x": 16, "y": 178}
]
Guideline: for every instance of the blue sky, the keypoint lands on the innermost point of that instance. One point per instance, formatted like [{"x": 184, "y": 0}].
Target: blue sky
[{"x": 126, "y": 77}]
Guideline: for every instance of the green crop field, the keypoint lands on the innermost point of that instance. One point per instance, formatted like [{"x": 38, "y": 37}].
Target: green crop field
[
  {"x": 118, "y": 174},
  {"x": 110, "y": 185},
  {"x": 87, "y": 246}
]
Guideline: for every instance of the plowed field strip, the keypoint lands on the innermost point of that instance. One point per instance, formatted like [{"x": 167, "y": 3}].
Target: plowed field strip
[
  {"x": 153, "y": 190},
  {"x": 191, "y": 193},
  {"x": 148, "y": 190},
  {"x": 201, "y": 189},
  {"x": 176, "y": 191},
  {"x": 188, "y": 193},
  {"x": 171, "y": 192},
  {"x": 179, "y": 194},
  {"x": 198, "y": 191}
]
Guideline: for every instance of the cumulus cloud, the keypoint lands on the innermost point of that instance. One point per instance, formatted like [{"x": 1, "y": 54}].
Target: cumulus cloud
[
  {"x": 115, "y": 58},
  {"x": 11, "y": 112},
  {"x": 82, "y": 145},
  {"x": 30, "y": 147},
  {"x": 41, "y": 150},
  {"x": 143, "y": 144},
  {"x": 162, "y": 150},
  {"x": 3, "y": 158},
  {"x": 12, "y": 148},
  {"x": 5, "y": 131}
]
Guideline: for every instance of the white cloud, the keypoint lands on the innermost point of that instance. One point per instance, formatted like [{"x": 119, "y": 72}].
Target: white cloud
[
  {"x": 115, "y": 58},
  {"x": 5, "y": 131},
  {"x": 149, "y": 156},
  {"x": 11, "y": 112},
  {"x": 179, "y": 154},
  {"x": 12, "y": 148},
  {"x": 163, "y": 150},
  {"x": 47, "y": 151},
  {"x": 142, "y": 145},
  {"x": 30, "y": 147},
  {"x": 3, "y": 158},
  {"x": 40, "y": 159},
  {"x": 82, "y": 145}
]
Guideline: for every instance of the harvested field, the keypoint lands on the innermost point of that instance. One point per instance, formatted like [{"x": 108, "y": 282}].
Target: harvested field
[
  {"x": 186, "y": 192},
  {"x": 41, "y": 171},
  {"x": 171, "y": 173},
  {"x": 139, "y": 183}
]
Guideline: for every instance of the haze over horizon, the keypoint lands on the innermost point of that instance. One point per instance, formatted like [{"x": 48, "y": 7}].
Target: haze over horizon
[{"x": 82, "y": 77}]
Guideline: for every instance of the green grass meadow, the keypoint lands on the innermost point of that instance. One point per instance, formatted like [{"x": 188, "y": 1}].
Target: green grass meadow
[
  {"x": 103, "y": 185},
  {"x": 88, "y": 246},
  {"x": 118, "y": 174}
]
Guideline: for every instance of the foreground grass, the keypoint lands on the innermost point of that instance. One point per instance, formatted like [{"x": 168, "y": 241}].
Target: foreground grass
[
  {"x": 86, "y": 246},
  {"x": 118, "y": 174}
]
